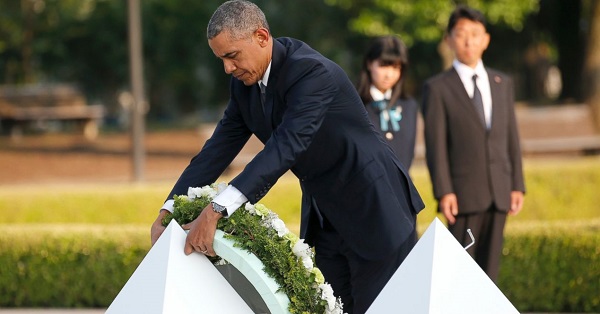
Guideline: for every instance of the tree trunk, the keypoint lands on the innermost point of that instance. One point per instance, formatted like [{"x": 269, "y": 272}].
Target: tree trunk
[
  {"x": 27, "y": 44},
  {"x": 592, "y": 64}
]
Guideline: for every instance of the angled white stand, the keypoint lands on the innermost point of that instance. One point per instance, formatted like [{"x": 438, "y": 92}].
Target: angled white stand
[
  {"x": 168, "y": 281},
  {"x": 439, "y": 276}
]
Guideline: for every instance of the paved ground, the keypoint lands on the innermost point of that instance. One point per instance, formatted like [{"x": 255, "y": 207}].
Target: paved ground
[{"x": 69, "y": 158}]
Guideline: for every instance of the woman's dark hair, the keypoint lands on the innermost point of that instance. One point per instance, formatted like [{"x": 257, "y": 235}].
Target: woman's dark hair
[
  {"x": 464, "y": 12},
  {"x": 389, "y": 50}
]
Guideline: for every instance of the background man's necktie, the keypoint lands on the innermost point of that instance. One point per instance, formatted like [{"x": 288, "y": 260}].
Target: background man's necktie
[{"x": 478, "y": 101}]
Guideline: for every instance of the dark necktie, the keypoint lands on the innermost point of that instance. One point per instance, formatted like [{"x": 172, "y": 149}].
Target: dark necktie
[
  {"x": 478, "y": 101},
  {"x": 263, "y": 96}
]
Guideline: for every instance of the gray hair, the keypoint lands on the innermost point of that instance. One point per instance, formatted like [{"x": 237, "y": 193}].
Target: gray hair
[{"x": 238, "y": 17}]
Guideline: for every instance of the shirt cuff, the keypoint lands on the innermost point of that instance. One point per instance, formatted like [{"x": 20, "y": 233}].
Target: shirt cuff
[
  {"x": 169, "y": 205},
  {"x": 231, "y": 198}
]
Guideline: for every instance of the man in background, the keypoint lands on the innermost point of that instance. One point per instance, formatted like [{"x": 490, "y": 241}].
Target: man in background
[{"x": 473, "y": 152}]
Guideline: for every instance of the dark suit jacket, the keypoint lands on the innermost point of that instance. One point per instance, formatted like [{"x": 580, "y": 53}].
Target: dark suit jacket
[
  {"x": 317, "y": 127},
  {"x": 403, "y": 142},
  {"x": 482, "y": 167}
]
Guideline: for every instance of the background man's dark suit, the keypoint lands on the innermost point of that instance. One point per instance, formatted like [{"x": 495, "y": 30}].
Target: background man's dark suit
[
  {"x": 480, "y": 166},
  {"x": 316, "y": 126}
]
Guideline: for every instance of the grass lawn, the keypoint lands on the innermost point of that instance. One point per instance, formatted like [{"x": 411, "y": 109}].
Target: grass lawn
[{"x": 557, "y": 189}]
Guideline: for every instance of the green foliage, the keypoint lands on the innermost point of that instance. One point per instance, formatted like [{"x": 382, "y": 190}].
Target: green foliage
[
  {"x": 86, "y": 43},
  {"x": 552, "y": 267},
  {"x": 67, "y": 265},
  {"x": 419, "y": 20},
  {"x": 253, "y": 233},
  {"x": 546, "y": 267},
  {"x": 185, "y": 211}
]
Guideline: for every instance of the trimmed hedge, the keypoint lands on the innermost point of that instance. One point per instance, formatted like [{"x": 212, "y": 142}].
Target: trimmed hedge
[
  {"x": 546, "y": 267},
  {"x": 67, "y": 265},
  {"x": 552, "y": 267}
]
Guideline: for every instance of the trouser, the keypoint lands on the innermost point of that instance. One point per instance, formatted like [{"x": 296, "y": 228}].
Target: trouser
[
  {"x": 488, "y": 230},
  {"x": 355, "y": 280}
]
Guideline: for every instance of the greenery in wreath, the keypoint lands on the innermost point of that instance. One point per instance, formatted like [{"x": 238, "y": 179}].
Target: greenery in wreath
[{"x": 286, "y": 258}]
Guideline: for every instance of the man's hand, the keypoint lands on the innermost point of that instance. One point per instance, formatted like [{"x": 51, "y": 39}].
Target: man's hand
[
  {"x": 202, "y": 232},
  {"x": 157, "y": 227},
  {"x": 516, "y": 202},
  {"x": 449, "y": 207}
]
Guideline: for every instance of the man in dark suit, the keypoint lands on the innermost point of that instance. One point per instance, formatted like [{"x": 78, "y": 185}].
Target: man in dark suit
[
  {"x": 472, "y": 143},
  {"x": 359, "y": 205}
]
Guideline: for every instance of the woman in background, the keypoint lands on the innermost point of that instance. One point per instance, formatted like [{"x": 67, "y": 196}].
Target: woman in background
[{"x": 391, "y": 110}]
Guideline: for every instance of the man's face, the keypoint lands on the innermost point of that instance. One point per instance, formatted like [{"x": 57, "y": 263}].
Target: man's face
[
  {"x": 246, "y": 59},
  {"x": 468, "y": 39}
]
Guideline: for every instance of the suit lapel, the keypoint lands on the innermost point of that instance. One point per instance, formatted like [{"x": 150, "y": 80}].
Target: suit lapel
[
  {"x": 278, "y": 58},
  {"x": 460, "y": 94},
  {"x": 495, "y": 90}
]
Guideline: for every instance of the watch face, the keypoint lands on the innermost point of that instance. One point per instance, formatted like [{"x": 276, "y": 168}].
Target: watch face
[{"x": 219, "y": 209}]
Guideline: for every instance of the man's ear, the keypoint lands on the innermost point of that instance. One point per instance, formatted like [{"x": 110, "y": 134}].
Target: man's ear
[{"x": 262, "y": 36}]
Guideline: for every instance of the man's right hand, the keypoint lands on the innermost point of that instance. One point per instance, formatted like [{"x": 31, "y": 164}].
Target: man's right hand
[
  {"x": 157, "y": 227},
  {"x": 449, "y": 207}
]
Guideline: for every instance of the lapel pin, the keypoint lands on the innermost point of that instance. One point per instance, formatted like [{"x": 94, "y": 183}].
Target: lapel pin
[{"x": 497, "y": 79}]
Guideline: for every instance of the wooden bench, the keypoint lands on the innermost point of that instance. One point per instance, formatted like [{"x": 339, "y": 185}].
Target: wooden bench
[
  {"x": 24, "y": 106},
  {"x": 558, "y": 130}
]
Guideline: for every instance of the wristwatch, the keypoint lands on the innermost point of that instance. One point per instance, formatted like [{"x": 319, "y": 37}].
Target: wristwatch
[{"x": 220, "y": 209}]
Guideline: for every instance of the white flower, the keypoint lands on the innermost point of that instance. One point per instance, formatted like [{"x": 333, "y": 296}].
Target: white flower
[
  {"x": 205, "y": 191},
  {"x": 279, "y": 226},
  {"x": 302, "y": 251},
  {"x": 327, "y": 295},
  {"x": 193, "y": 193},
  {"x": 338, "y": 308},
  {"x": 250, "y": 208},
  {"x": 221, "y": 187},
  {"x": 307, "y": 262}
]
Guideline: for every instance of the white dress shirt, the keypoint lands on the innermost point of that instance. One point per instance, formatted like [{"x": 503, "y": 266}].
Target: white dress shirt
[{"x": 466, "y": 73}]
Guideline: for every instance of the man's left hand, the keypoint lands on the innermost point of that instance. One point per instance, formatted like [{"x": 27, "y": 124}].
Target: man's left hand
[
  {"x": 516, "y": 202},
  {"x": 202, "y": 232}
]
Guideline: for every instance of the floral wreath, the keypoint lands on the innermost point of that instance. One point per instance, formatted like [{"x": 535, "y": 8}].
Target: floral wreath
[{"x": 286, "y": 258}]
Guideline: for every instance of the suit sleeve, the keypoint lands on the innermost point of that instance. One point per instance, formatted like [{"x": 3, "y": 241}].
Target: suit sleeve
[
  {"x": 218, "y": 152},
  {"x": 514, "y": 146},
  {"x": 436, "y": 141},
  {"x": 309, "y": 89}
]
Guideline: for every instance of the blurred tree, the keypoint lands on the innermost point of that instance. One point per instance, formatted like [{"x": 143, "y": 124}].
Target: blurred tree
[
  {"x": 15, "y": 40},
  {"x": 426, "y": 20},
  {"x": 592, "y": 62},
  {"x": 85, "y": 42}
]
